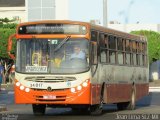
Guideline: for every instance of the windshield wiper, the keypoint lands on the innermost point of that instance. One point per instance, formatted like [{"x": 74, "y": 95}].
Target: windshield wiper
[{"x": 62, "y": 43}]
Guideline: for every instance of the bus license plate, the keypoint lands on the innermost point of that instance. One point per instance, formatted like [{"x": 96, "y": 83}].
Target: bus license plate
[{"x": 49, "y": 97}]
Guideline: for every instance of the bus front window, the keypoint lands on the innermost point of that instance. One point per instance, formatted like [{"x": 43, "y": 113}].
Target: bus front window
[{"x": 51, "y": 56}]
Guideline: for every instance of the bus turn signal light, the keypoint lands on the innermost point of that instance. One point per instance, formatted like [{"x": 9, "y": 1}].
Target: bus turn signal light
[
  {"x": 80, "y": 87},
  {"x": 21, "y": 87}
]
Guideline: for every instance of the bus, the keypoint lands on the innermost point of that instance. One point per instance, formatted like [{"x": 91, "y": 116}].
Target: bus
[{"x": 112, "y": 69}]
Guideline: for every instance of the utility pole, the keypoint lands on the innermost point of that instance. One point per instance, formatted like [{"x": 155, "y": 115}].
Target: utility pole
[{"x": 105, "y": 18}]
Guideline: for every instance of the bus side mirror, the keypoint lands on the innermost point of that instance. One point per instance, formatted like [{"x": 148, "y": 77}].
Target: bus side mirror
[{"x": 9, "y": 48}]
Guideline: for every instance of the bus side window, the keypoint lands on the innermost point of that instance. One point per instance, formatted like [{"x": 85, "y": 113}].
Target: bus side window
[
  {"x": 128, "y": 50},
  {"x": 112, "y": 57},
  {"x": 145, "y": 54},
  {"x": 112, "y": 43},
  {"x": 137, "y": 55},
  {"x": 120, "y": 51},
  {"x": 94, "y": 53},
  {"x": 134, "y": 48},
  {"x": 103, "y": 48},
  {"x": 94, "y": 35},
  {"x": 112, "y": 49}
]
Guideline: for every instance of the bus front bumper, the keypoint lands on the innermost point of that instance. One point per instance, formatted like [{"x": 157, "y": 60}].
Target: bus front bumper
[{"x": 60, "y": 96}]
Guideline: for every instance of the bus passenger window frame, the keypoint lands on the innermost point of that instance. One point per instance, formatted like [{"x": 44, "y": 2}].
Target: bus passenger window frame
[
  {"x": 94, "y": 35},
  {"x": 112, "y": 49},
  {"x": 94, "y": 55},
  {"x": 120, "y": 44},
  {"x": 145, "y": 55},
  {"x": 113, "y": 40},
  {"x": 101, "y": 40},
  {"x": 120, "y": 50},
  {"x": 127, "y": 45},
  {"x": 114, "y": 56},
  {"x": 103, "y": 45}
]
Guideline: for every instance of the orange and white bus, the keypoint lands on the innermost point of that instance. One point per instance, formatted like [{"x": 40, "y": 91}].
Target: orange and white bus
[{"x": 112, "y": 67}]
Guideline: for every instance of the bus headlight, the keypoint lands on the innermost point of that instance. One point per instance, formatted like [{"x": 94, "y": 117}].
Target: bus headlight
[
  {"x": 18, "y": 84},
  {"x": 84, "y": 84},
  {"x": 73, "y": 90},
  {"x": 27, "y": 89},
  {"x": 21, "y": 87},
  {"x": 79, "y": 87}
]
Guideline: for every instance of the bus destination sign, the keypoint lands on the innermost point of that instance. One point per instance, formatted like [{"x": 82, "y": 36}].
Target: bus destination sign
[
  {"x": 52, "y": 29},
  {"x": 36, "y": 69}
]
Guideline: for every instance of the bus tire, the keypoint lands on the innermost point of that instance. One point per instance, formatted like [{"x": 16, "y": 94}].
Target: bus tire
[
  {"x": 128, "y": 105},
  {"x": 121, "y": 106},
  {"x": 80, "y": 110},
  {"x": 38, "y": 109},
  {"x": 97, "y": 109},
  {"x": 132, "y": 102}
]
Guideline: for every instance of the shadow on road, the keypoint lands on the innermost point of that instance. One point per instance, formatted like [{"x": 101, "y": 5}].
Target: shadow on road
[
  {"x": 151, "y": 99},
  {"x": 68, "y": 114}
]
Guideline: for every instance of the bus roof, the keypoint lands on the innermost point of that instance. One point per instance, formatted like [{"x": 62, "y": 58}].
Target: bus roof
[
  {"x": 90, "y": 26},
  {"x": 54, "y": 21},
  {"x": 118, "y": 33}
]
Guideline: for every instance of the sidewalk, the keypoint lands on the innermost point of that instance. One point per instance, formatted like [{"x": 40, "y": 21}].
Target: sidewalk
[
  {"x": 3, "y": 107},
  {"x": 8, "y": 87},
  {"x": 155, "y": 83}
]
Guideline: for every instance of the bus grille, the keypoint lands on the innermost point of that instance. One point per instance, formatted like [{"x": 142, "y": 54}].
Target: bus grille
[
  {"x": 53, "y": 90},
  {"x": 57, "y": 99},
  {"x": 49, "y": 79}
]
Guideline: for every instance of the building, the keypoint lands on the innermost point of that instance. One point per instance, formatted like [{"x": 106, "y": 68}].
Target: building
[
  {"x": 33, "y": 10},
  {"x": 134, "y": 27},
  {"x": 46, "y": 9},
  {"x": 13, "y": 9}
]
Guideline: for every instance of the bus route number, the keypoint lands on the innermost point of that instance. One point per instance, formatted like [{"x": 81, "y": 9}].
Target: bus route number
[{"x": 36, "y": 85}]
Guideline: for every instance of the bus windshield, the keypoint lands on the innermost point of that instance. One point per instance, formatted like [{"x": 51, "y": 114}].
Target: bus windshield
[{"x": 52, "y": 55}]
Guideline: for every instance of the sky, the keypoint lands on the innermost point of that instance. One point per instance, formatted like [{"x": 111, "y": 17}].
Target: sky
[{"x": 123, "y": 11}]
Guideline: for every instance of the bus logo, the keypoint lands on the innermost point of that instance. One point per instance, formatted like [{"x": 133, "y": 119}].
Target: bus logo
[{"x": 49, "y": 89}]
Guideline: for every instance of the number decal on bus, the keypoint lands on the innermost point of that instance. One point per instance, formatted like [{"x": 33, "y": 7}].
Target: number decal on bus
[{"x": 36, "y": 85}]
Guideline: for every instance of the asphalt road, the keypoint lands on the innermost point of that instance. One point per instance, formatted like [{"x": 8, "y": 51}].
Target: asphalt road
[{"x": 147, "y": 108}]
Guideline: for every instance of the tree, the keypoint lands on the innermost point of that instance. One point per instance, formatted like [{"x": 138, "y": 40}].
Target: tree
[
  {"x": 153, "y": 43},
  {"x": 4, "y": 35},
  {"x": 6, "y": 20},
  {"x": 7, "y": 27}
]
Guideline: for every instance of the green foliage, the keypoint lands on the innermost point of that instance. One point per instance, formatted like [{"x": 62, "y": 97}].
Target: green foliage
[
  {"x": 7, "y": 28},
  {"x": 6, "y": 20},
  {"x": 4, "y": 35},
  {"x": 10, "y": 26},
  {"x": 6, "y": 23},
  {"x": 153, "y": 43}
]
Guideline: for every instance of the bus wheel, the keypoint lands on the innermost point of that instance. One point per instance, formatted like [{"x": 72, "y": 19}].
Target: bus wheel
[
  {"x": 38, "y": 109},
  {"x": 128, "y": 105},
  {"x": 97, "y": 109},
  {"x": 132, "y": 103},
  {"x": 122, "y": 106},
  {"x": 80, "y": 110}
]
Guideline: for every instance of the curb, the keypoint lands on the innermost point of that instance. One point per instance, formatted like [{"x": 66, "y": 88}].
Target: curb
[
  {"x": 154, "y": 89},
  {"x": 7, "y": 86},
  {"x": 3, "y": 107}
]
